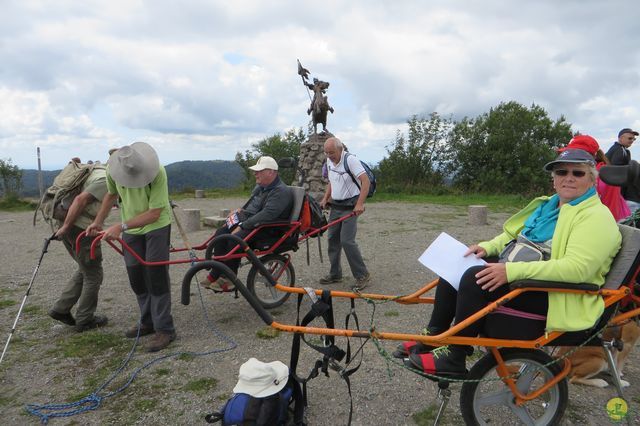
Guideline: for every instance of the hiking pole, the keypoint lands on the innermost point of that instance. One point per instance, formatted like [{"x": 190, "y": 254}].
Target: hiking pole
[{"x": 24, "y": 300}]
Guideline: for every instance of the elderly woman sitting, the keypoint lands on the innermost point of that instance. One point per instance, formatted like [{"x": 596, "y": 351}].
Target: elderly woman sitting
[{"x": 575, "y": 237}]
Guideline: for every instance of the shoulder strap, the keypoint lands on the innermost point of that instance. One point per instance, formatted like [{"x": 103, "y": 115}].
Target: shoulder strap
[{"x": 346, "y": 169}]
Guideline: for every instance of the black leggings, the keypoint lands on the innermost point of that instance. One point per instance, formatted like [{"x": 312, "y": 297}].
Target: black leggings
[{"x": 470, "y": 298}]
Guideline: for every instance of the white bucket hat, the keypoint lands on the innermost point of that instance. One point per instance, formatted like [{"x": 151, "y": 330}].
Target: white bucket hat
[
  {"x": 260, "y": 379},
  {"x": 134, "y": 166},
  {"x": 265, "y": 163}
]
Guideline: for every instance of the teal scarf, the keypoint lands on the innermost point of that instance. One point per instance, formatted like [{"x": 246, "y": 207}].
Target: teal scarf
[{"x": 541, "y": 225}]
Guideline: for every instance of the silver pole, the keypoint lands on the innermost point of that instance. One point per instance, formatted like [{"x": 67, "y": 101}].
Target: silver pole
[{"x": 40, "y": 185}]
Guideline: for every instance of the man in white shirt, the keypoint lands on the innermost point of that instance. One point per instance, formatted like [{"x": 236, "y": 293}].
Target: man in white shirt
[{"x": 346, "y": 192}]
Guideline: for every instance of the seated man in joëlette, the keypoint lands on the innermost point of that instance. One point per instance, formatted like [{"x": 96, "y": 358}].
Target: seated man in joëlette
[{"x": 271, "y": 201}]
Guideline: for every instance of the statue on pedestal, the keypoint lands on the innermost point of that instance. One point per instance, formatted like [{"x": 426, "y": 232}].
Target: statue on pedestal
[{"x": 319, "y": 104}]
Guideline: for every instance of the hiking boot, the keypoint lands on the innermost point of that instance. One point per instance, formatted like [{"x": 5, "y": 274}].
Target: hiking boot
[
  {"x": 64, "y": 318},
  {"x": 160, "y": 341},
  {"x": 361, "y": 282},
  {"x": 330, "y": 280},
  {"x": 96, "y": 321},
  {"x": 132, "y": 333}
]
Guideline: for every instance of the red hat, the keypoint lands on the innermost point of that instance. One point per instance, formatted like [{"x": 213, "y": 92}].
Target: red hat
[{"x": 583, "y": 142}]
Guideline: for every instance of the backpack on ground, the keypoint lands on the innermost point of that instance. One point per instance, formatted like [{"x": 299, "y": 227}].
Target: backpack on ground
[
  {"x": 57, "y": 199},
  {"x": 372, "y": 178},
  {"x": 283, "y": 408},
  {"x": 312, "y": 217}
]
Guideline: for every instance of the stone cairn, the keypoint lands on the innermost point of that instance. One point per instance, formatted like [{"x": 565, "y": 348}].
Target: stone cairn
[{"x": 309, "y": 173}]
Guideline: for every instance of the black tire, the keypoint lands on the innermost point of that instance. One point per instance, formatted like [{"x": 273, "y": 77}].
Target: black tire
[
  {"x": 208, "y": 254},
  {"x": 491, "y": 402},
  {"x": 268, "y": 296}
]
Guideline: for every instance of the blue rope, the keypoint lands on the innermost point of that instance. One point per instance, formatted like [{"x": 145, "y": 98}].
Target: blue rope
[{"x": 92, "y": 401}]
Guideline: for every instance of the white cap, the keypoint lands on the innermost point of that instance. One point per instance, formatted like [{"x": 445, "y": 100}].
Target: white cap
[{"x": 265, "y": 163}]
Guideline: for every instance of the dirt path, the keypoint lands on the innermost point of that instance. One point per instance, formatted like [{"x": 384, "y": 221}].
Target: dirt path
[{"x": 50, "y": 363}]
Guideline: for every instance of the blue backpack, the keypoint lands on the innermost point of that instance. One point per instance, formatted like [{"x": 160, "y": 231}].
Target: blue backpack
[
  {"x": 243, "y": 409},
  {"x": 367, "y": 170}
]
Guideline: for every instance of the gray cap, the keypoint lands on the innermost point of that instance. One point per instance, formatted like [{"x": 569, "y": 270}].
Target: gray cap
[{"x": 571, "y": 156}]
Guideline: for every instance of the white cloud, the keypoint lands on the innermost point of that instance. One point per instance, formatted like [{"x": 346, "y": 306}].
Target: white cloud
[{"x": 206, "y": 79}]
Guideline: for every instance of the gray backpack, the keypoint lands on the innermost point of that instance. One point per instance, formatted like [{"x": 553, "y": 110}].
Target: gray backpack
[{"x": 57, "y": 199}]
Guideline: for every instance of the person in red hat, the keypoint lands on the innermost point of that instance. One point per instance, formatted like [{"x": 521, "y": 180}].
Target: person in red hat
[{"x": 611, "y": 196}]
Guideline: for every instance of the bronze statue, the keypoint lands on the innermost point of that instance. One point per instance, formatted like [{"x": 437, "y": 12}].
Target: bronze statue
[{"x": 319, "y": 104}]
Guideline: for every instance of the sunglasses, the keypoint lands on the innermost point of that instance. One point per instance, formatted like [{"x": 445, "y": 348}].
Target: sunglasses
[{"x": 564, "y": 172}]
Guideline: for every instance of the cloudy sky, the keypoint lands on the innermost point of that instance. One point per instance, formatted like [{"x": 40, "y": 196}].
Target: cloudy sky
[{"x": 203, "y": 79}]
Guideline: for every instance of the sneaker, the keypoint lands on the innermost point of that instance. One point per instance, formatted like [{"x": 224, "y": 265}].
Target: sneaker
[
  {"x": 222, "y": 285},
  {"x": 361, "y": 282},
  {"x": 132, "y": 333},
  {"x": 64, "y": 318},
  {"x": 160, "y": 341},
  {"x": 205, "y": 282},
  {"x": 330, "y": 280},
  {"x": 96, "y": 321}
]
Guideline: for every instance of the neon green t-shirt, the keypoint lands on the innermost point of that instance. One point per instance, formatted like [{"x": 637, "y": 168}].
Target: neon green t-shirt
[{"x": 134, "y": 201}]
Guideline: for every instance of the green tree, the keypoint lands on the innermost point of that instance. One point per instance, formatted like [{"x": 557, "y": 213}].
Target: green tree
[
  {"x": 11, "y": 178},
  {"x": 416, "y": 161},
  {"x": 275, "y": 146},
  {"x": 504, "y": 150}
]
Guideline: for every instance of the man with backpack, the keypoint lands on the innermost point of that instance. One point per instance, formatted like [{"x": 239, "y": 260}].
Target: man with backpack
[
  {"x": 83, "y": 286},
  {"x": 134, "y": 175},
  {"x": 347, "y": 191}
]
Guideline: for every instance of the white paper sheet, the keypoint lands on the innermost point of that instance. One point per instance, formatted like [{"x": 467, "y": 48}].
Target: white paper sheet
[{"x": 445, "y": 257}]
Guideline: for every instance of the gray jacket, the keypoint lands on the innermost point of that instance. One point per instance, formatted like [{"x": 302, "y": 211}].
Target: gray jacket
[{"x": 267, "y": 204}]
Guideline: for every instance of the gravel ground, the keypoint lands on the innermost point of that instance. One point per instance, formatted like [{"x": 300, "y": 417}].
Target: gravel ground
[{"x": 181, "y": 389}]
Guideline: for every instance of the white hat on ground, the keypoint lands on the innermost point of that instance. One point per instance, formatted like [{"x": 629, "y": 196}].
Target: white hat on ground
[{"x": 260, "y": 379}]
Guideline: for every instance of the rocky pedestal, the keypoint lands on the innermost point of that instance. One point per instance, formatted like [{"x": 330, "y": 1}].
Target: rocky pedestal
[{"x": 309, "y": 174}]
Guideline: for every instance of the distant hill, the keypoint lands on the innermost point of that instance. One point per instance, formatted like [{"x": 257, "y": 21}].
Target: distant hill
[{"x": 181, "y": 175}]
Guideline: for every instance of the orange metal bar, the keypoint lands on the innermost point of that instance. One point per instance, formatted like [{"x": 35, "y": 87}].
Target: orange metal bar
[{"x": 511, "y": 383}]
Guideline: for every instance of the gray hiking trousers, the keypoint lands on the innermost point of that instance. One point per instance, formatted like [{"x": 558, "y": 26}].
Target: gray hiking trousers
[
  {"x": 342, "y": 236},
  {"x": 83, "y": 286}
]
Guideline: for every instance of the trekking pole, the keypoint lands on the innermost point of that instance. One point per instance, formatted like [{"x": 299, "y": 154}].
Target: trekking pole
[{"x": 24, "y": 300}]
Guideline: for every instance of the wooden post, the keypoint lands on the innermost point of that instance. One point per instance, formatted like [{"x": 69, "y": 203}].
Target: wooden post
[
  {"x": 477, "y": 215},
  {"x": 199, "y": 193}
]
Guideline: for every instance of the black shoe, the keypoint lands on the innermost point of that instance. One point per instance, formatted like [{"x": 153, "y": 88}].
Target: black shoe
[
  {"x": 96, "y": 321},
  {"x": 64, "y": 318}
]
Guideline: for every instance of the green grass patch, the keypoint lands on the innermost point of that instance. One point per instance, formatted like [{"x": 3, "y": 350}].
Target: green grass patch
[
  {"x": 186, "y": 357},
  {"x": 33, "y": 309},
  {"x": 267, "y": 333},
  {"x": 13, "y": 204},
  {"x": 200, "y": 386},
  {"x": 495, "y": 202},
  {"x": 212, "y": 193},
  {"x": 392, "y": 314},
  {"x": 6, "y": 303},
  {"x": 162, "y": 372},
  {"x": 426, "y": 416},
  {"x": 89, "y": 344},
  {"x": 145, "y": 404}
]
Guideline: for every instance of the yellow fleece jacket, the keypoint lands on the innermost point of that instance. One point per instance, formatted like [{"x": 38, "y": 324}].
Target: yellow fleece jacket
[{"x": 583, "y": 246}]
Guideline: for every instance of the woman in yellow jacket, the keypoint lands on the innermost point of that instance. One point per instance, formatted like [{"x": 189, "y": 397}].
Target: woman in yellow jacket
[{"x": 575, "y": 238}]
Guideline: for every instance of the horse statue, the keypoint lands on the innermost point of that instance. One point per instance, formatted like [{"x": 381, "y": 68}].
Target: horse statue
[{"x": 319, "y": 104}]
